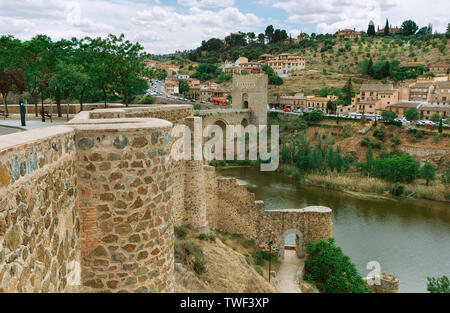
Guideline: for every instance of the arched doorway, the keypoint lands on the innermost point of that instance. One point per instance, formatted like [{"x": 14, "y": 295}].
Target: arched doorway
[
  {"x": 292, "y": 239},
  {"x": 245, "y": 101},
  {"x": 223, "y": 125},
  {"x": 244, "y": 122}
]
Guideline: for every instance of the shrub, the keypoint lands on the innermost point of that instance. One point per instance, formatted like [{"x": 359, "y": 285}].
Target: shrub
[
  {"x": 438, "y": 285},
  {"x": 398, "y": 189},
  {"x": 191, "y": 254},
  {"x": 332, "y": 271},
  {"x": 203, "y": 237},
  {"x": 146, "y": 100},
  {"x": 260, "y": 257},
  {"x": 316, "y": 115},
  {"x": 379, "y": 134},
  {"x": 258, "y": 270},
  {"x": 181, "y": 232},
  {"x": 212, "y": 238}
]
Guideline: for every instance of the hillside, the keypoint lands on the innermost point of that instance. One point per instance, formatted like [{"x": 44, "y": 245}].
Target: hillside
[
  {"x": 331, "y": 68},
  {"x": 219, "y": 264}
]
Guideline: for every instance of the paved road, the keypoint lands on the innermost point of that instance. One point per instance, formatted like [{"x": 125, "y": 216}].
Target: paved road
[
  {"x": 287, "y": 272},
  {"x": 8, "y": 130}
]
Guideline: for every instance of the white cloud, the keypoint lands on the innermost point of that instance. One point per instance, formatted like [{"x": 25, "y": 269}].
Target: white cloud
[
  {"x": 207, "y": 3},
  {"x": 331, "y": 15}
]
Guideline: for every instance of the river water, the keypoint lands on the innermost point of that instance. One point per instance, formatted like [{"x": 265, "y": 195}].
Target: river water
[{"x": 408, "y": 238}]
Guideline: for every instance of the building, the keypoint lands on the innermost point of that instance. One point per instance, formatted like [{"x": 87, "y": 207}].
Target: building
[
  {"x": 286, "y": 63},
  {"x": 265, "y": 58},
  {"x": 374, "y": 98},
  {"x": 151, "y": 63},
  {"x": 420, "y": 91},
  {"x": 306, "y": 104},
  {"x": 172, "y": 70},
  {"x": 441, "y": 93},
  {"x": 242, "y": 65},
  {"x": 401, "y": 107},
  {"x": 172, "y": 86},
  {"x": 440, "y": 68},
  {"x": 348, "y": 33}
]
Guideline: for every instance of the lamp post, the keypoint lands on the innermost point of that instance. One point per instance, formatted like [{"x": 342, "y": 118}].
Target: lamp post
[{"x": 270, "y": 243}]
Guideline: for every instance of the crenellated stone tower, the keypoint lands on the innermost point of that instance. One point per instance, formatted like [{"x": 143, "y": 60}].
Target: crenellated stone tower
[{"x": 250, "y": 92}]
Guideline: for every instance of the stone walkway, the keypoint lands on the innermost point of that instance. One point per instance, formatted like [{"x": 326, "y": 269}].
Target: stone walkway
[
  {"x": 30, "y": 124},
  {"x": 287, "y": 273}
]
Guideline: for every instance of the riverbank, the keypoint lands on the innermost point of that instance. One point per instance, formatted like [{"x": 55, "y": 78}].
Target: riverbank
[
  {"x": 369, "y": 187},
  {"x": 360, "y": 186}
]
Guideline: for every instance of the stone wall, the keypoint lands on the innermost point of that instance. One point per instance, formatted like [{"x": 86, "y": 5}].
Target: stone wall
[
  {"x": 125, "y": 182},
  {"x": 238, "y": 212},
  {"x": 387, "y": 283},
  {"x": 73, "y": 108},
  {"x": 423, "y": 152},
  {"x": 39, "y": 217}
]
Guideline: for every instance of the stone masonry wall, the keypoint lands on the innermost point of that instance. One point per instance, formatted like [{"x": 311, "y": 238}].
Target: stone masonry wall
[
  {"x": 238, "y": 212},
  {"x": 126, "y": 185},
  {"x": 39, "y": 218}
]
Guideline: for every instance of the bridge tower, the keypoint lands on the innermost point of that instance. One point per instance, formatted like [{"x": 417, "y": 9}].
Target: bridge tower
[{"x": 250, "y": 92}]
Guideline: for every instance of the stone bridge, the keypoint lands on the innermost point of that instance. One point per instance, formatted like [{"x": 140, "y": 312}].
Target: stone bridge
[{"x": 224, "y": 117}]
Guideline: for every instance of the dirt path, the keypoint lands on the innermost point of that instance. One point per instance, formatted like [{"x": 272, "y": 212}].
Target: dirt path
[{"x": 287, "y": 272}]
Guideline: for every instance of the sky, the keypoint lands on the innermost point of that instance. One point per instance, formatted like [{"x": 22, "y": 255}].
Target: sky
[{"x": 166, "y": 26}]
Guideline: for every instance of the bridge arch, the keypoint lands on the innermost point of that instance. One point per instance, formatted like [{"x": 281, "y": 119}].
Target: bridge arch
[{"x": 299, "y": 242}]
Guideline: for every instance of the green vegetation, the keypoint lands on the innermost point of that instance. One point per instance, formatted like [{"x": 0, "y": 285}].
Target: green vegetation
[
  {"x": 428, "y": 172},
  {"x": 438, "y": 285},
  {"x": 189, "y": 253},
  {"x": 412, "y": 114},
  {"x": 88, "y": 69},
  {"x": 332, "y": 271},
  {"x": 394, "y": 168},
  {"x": 181, "y": 232}
]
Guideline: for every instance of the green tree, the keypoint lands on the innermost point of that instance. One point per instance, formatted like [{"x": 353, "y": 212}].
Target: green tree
[
  {"x": 371, "y": 29},
  {"x": 412, "y": 114},
  {"x": 347, "y": 92},
  {"x": 66, "y": 82},
  {"x": 409, "y": 27},
  {"x": 369, "y": 159},
  {"x": 441, "y": 127},
  {"x": 435, "y": 117},
  {"x": 331, "y": 107},
  {"x": 184, "y": 87},
  {"x": 438, "y": 285},
  {"x": 446, "y": 176},
  {"x": 331, "y": 270},
  {"x": 386, "y": 28},
  {"x": 269, "y": 33},
  {"x": 388, "y": 116},
  {"x": 428, "y": 172}
]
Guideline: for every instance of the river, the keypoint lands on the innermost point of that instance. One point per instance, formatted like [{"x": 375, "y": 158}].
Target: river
[{"x": 409, "y": 238}]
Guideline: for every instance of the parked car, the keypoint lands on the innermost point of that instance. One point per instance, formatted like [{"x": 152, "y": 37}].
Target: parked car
[{"x": 287, "y": 110}]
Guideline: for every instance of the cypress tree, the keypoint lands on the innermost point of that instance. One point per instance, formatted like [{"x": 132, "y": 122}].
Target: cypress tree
[
  {"x": 369, "y": 159},
  {"x": 386, "y": 28},
  {"x": 440, "y": 127},
  {"x": 338, "y": 159}
]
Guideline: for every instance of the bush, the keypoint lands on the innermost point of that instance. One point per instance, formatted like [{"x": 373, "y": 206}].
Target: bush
[
  {"x": 398, "y": 189},
  {"x": 191, "y": 254},
  {"x": 258, "y": 270},
  {"x": 379, "y": 134},
  {"x": 260, "y": 257},
  {"x": 203, "y": 237},
  {"x": 332, "y": 271},
  {"x": 181, "y": 232},
  {"x": 316, "y": 115},
  {"x": 438, "y": 285},
  {"x": 212, "y": 238},
  {"x": 146, "y": 100}
]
